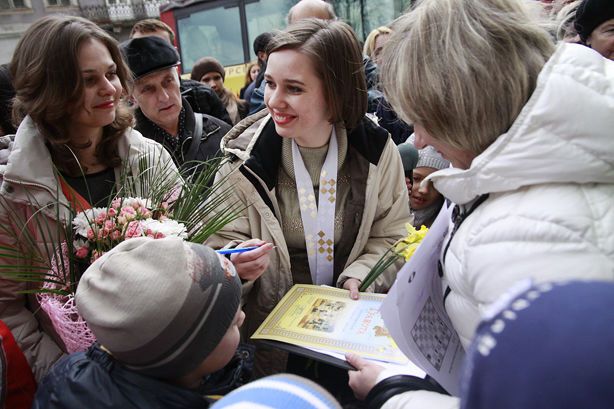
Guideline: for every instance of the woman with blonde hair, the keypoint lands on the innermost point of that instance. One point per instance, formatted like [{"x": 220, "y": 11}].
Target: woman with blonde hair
[
  {"x": 527, "y": 127},
  {"x": 321, "y": 181},
  {"x": 74, "y": 139},
  {"x": 374, "y": 43},
  {"x": 250, "y": 76}
]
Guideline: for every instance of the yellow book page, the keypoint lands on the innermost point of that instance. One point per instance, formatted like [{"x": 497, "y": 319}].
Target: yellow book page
[{"x": 326, "y": 318}]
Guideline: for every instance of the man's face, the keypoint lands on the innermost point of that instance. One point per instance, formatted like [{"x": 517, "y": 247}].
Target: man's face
[{"x": 159, "y": 98}]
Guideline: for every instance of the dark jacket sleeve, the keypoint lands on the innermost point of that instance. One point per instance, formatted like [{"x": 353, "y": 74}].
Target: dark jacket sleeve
[
  {"x": 398, "y": 384},
  {"x": 256, "y": 103},
  {"x": 93, "y": 379},
  {"x": 203, "y": 99},
  {"x": 213, "y": 131}
]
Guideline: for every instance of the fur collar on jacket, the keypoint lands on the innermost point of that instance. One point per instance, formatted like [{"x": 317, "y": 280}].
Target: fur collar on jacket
[{"x": 255, "y": 142}]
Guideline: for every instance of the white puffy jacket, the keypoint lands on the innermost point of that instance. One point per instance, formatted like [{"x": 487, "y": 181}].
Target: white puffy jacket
[{"x": 549, "y": 215}]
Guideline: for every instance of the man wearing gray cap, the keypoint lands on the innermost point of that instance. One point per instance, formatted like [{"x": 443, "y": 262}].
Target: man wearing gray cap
[
  {"x": 162, "y": 114},
  {"x": 166, "y": 313}
]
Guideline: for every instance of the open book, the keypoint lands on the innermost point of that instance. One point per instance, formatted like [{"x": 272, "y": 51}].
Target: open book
[{"x": 324, "y": 323}]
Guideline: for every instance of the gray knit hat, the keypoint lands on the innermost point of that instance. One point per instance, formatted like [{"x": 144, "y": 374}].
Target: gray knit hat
[
  {"x": 428, "y": 157},
  {"x": 159, "y": 306}
]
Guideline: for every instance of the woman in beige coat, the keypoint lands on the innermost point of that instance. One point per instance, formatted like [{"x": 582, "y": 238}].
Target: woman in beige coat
[
  {"x": 311, "y": 166},
  {"x": 74, "y": 138}
]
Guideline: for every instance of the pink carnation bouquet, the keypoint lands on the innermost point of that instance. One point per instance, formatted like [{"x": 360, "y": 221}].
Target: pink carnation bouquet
[{"x": 96, "y": 231}]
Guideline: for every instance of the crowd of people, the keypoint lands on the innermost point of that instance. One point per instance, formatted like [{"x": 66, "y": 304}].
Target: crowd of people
[{"x": 498, "y": 112}]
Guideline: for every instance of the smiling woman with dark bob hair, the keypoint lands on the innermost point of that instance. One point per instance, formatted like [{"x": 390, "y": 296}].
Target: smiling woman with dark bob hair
[
  {"x": 74, "y": 138},
  {"x": 323, "y": 183},
  {"x": 527, "y": 127}
]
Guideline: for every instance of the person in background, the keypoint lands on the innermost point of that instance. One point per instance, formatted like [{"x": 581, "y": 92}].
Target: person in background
[
  {"x": 520, "y": 210},
  {"x": 315, "y": 122},
  {"x": 201, "y": 98},
  {"x": 409, "y": 158},
  {"x": 166, "y": 313},
  {"x": 250, "y": 76},
  {"x": 378, "y": 106},
  {"x": 565, "y": 18},
  {"x": 260, "y": 44},
  {"x": 74, "y": 139},
  {"x": 209, "y": 71},
  {"x": 7, "y": 129},
  {"x": 425, "y": 201},
  {"x": 162, "y": 114},
  {"x": 7, "y": 93},
  {"x": 595, "y": 26},
  {"x": 549, "y": 346},
  {"x": 304, "y": 9},
  {"x": 374, "y": 43}
]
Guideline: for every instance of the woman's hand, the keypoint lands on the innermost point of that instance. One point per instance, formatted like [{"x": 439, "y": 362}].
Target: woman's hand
[
  {"x": 364, "y": 378},
  {"x": 352, "y": 284},
  {"x": 251, "y": 264}
]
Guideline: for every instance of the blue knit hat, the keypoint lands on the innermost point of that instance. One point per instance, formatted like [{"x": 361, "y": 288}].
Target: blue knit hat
[
  {"x": 279, "y": 391},
  {"x": 550, "y": 347}
]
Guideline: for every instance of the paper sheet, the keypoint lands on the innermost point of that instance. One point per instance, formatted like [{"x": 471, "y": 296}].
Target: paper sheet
[{"x": 415, "y": 316}]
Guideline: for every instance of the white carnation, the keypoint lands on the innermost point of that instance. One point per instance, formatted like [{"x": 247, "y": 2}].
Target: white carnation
[
  {"x": 83, "y": 221},
  {"x": 168, "y": 227}
]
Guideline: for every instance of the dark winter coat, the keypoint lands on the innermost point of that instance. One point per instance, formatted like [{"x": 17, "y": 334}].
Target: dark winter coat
[
  {"x": 93, "y": 379},
  {"x": 208, "y": 146},
  {"x": 204, "y": 100}
]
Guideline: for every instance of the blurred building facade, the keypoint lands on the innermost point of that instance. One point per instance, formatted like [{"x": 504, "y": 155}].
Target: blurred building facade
[{"x": 116, "y": 16}]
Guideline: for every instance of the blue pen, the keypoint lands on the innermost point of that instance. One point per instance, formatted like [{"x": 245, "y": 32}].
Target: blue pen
[{"x": 236, "y": 250}]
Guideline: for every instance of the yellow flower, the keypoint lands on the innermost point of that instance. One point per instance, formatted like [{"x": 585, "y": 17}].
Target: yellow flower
[
  {"x": 407, "y": 246},
  {"x": 403, "y": 248}
]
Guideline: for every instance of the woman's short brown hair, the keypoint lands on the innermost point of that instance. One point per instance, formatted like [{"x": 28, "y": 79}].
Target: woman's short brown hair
[
  {"x": 48, "y": 82},
  {"x": 335, "y": 52},
  {"x": 463, "y": 70}
]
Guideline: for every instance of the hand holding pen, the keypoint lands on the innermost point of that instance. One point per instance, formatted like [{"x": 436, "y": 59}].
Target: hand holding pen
[{"x": 250, "y": 258}]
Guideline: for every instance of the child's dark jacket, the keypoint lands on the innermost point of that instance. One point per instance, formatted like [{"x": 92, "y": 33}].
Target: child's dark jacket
[{"x": 93, "y": 379}]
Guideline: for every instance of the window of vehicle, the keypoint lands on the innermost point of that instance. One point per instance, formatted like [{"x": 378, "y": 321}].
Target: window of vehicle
[
  {"x": 211, "y": 32},
  {"x": 264, "y": 16},
  {"x": 14, "y": 4}
]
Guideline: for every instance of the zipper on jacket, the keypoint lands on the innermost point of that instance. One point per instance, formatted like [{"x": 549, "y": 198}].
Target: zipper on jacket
[
  {"x": 208, "y": 134},
  {"x": 458, "y": 217}
]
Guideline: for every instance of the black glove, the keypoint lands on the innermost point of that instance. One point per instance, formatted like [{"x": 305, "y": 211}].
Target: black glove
[{"x": 398, "y": 384}]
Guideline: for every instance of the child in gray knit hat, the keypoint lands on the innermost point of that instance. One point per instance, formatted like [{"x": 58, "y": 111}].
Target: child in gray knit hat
[
  {"x": 424, "y": 200},
  {"x": 166, "y": 313}
]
